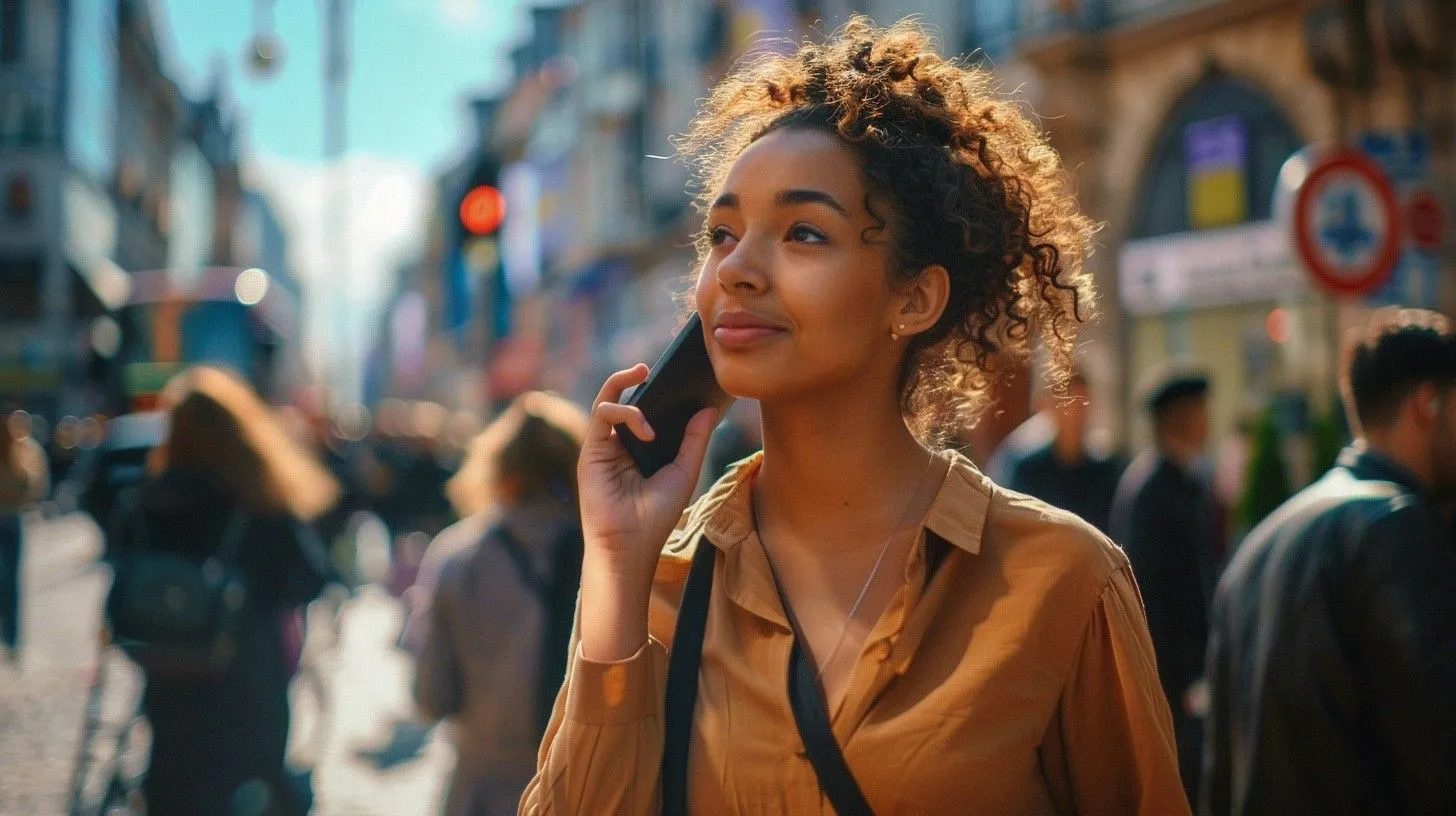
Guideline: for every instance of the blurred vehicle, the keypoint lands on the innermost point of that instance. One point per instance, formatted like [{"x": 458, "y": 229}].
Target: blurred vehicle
[{"x": 237, "y": 319}]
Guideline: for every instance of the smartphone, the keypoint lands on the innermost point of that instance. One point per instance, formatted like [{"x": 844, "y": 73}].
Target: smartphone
[{"x": 681, "y": 384}]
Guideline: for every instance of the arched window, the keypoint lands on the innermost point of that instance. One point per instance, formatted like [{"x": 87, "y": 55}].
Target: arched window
[{"x": 1246, "y": 130}]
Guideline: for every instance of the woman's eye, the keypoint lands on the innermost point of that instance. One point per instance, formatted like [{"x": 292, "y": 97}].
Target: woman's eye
[
  {"x": 804, "y": 233},
  {"x": 718, "y": 235}
]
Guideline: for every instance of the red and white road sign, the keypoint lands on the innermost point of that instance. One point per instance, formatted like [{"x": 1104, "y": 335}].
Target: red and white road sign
[
  {"x": 1425, "y": 219},
  {"x": 1347, "y": 223}
]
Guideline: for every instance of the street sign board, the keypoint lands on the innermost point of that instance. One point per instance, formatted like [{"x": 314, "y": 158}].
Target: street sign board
[
  {"x": 1425, "y": 219},
  {"x": 1405, "y": 156},
  {"x": 1346, "y": 223}
]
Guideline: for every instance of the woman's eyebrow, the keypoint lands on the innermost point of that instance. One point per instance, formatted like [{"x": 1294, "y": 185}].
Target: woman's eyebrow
[
  {"x": 728, "y": 200},
  {"x": 788, "y": 197}
]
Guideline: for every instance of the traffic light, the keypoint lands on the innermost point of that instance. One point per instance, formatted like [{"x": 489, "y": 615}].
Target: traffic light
[
  {"x": 482, "y": 210},
  {"x": 474, "y": 279}
]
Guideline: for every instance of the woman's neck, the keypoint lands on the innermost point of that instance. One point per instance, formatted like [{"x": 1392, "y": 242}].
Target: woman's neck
[{"x": 838, "y": 470}]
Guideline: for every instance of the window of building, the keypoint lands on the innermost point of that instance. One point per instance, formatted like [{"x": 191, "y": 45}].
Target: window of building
[
  {"x": 18, "y": 197},
  {"x": 20, "y": 288},
  {"x": 989, "y": 26},
  {"x": 1222, "y": 124},
  {"x": 11, "y": 31}
]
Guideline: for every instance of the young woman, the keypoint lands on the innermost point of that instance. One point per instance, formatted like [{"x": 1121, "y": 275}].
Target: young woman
[
  {"x": 493, "y": 610},
  {"x": 878, "y": 224},
  {"x": 228, "y": 470}
]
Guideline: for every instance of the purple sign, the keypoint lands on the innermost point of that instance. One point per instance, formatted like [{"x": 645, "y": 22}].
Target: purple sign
[{"x": 1215, "y": 144}]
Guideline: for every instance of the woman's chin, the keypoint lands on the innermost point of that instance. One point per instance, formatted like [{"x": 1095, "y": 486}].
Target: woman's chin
[{"x": 746, "y": 385}]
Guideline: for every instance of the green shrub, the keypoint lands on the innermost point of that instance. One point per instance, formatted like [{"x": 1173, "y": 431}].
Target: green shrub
[
  {"x": 1266, "y": 485},
  {"x": 1327, "y": 437}
]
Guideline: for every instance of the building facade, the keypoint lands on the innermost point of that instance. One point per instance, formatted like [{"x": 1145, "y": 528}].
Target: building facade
[
  {"x": 58, "y": 222},
  {"x": 1174, "y": 117},
  {"x": 1178, "y": 117}
]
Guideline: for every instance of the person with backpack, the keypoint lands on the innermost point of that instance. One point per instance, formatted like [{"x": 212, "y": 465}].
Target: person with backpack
[
  {"x": 493, "y": 622},
  {"x": 210, "y": 556},
  {"x": 857, "y": 620}
]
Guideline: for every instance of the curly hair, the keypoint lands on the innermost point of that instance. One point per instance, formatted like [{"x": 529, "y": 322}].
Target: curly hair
[{"x": 970, "y": 182}]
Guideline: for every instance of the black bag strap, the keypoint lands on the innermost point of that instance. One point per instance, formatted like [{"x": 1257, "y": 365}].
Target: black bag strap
[
  {"x": 811, "y": 715},
  {"x": 557, "y": 591},
  {"x": 683, "y": 665}
]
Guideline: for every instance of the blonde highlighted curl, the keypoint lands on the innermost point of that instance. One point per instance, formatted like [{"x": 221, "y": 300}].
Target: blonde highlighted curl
[{"x": 970, "y": 183}]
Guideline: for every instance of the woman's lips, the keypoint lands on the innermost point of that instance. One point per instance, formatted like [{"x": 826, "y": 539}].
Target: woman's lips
[
  {"x": 740, "y": 329},
  {"x": 740, "y": 336}
]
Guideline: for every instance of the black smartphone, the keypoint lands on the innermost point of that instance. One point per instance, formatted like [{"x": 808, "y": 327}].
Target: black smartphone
[{"x": 681, "y": 384}]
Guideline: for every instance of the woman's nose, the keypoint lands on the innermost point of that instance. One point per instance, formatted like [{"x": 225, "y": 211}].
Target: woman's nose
[{"x": 742, "y": 268}]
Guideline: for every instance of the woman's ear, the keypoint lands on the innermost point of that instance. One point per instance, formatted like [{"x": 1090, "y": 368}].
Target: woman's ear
[{"x": 921, "y": 301}]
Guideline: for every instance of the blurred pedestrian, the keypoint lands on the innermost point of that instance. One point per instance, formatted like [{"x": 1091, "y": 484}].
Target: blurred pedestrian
[
  {"x": 498, "y": 616},
  {"x": 1167, "y": 519},
  {"x": 1065, "y": 472},
  {"x": 1332, "y": 656},
  {"x": 858, "y": 618},
  {"x": 231, "y": 491},
  {"x": 23, "y": 480}
]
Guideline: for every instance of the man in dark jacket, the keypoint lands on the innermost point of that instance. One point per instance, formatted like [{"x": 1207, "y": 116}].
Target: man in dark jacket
[
  {"x": 1065, "y": 472},
  {"x": 1166, "y": 518},
  {"x": 1332, "y": 655}
]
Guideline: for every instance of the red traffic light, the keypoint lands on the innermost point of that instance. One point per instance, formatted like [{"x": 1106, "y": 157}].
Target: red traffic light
[{"x": 482, "y": 210}]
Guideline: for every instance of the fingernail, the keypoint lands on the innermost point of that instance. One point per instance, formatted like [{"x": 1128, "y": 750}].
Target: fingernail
[{"x": 647, "y": 429}]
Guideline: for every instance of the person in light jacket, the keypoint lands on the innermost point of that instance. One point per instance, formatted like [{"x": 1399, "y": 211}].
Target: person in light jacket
[{"x": 492, "y": 617}]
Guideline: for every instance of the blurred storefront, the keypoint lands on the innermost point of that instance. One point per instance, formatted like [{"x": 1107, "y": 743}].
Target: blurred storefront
[
  {"x": 58, "y": 225},
  {"x": 1174, "y": 116},
  {"x": 1178, "y": 117}
]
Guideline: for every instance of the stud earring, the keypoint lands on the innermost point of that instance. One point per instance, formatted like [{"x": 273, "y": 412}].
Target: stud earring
[{"x": 893, "y": 335}]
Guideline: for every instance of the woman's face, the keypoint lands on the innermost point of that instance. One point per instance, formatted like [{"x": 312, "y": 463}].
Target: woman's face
[{"x": 793, "y": 300}]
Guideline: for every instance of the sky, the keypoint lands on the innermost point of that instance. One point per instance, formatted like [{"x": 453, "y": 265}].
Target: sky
[{"x": 413, "y": 63}]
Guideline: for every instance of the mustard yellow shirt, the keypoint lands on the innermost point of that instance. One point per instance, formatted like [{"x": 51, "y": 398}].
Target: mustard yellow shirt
[{"x": 1017, "y": 678}]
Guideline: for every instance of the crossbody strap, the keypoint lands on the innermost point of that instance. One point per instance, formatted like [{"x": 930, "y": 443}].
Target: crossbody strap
[
  {"x": 557, "y": 591},
  {"x": 683, "y": 665},
  {"x": 811, "y": 715},
  {"x": 232, "y": 537}
]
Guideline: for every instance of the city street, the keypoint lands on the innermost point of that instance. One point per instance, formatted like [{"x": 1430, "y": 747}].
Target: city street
[{"x": 367, "y": 765}]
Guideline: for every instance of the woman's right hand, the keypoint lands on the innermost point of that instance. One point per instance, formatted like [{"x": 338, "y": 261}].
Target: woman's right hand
[{"x": 626, "y": 519}]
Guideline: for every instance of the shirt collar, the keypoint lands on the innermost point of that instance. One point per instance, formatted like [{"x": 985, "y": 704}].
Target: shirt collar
[{"x": 1365, "y": 463}]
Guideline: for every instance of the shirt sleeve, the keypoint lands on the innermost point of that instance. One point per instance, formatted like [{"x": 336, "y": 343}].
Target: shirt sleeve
[
  {"x": 1110, "y": 748},
  {"x": 602, "y": 752}
]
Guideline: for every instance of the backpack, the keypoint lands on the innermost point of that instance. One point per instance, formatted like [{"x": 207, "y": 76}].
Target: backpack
[
  {"x": 178, "y": 616},
  {"x": 557, "y": 591}
]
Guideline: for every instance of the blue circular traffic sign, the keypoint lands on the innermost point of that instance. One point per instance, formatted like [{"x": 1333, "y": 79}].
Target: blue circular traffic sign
[{"x": 1347, "y": 223}]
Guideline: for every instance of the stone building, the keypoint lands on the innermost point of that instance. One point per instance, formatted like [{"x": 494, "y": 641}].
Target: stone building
[{"x": 1177, "y": 117}]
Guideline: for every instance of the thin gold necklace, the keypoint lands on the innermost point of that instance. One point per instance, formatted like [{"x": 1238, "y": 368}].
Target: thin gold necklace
[{"x": 863, "y": 590}]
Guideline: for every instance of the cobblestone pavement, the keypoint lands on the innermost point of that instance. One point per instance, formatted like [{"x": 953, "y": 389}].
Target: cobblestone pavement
[{"x": 360, "y": 768}]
